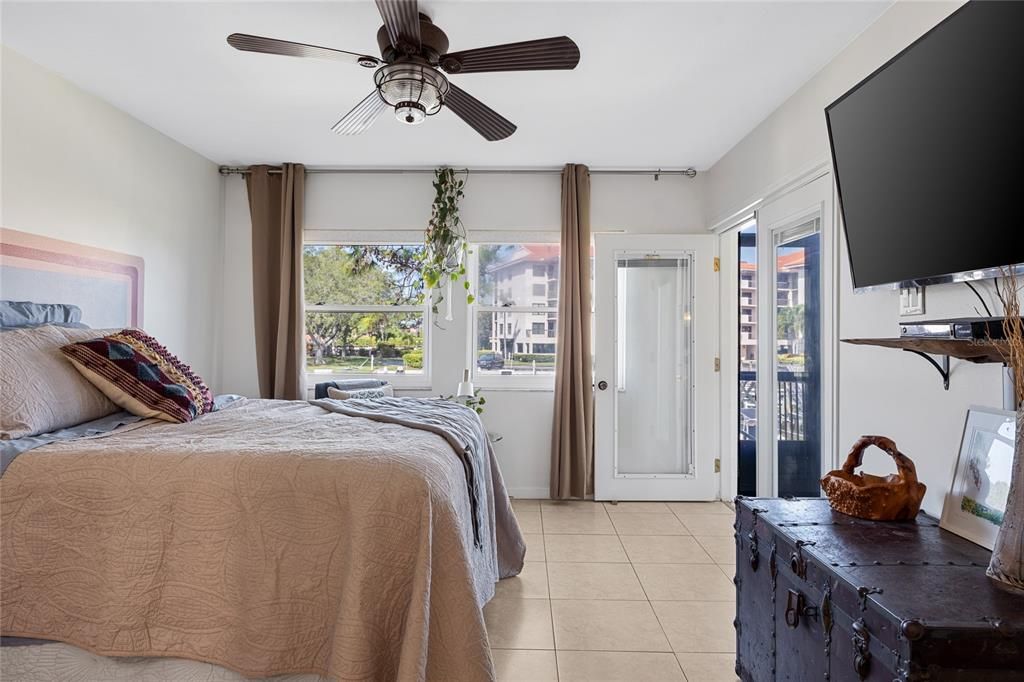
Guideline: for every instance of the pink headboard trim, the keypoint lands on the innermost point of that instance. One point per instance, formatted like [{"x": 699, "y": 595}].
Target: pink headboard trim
[{"x": 35, "y": 248}]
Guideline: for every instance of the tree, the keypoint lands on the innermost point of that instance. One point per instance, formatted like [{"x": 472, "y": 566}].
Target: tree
[
  {"x": 330, "y": 276},
  {"x": 356, "y": 275},
  {"x": 789, "y": 322},
  {"x": 401, "y": 263}
]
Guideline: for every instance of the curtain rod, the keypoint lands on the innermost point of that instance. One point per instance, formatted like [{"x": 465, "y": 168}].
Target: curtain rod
[{"x": 686, "y": 172}]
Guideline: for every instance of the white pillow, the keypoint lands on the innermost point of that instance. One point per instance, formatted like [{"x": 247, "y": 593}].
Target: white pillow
[
  {"x": 40, "y": 391},
  {"x": 385, "y": 391}
]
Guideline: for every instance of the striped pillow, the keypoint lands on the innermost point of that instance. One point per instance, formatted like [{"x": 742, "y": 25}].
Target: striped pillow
[{"x": 140, "y": 375}]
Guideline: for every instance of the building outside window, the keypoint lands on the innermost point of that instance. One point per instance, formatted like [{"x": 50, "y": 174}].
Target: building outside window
[
  {"x": 790, "y": 292},
  {"x": 515, "y": 317},
  {"x": 365, "y": 312},
  {"x": 748, "y": 311}
]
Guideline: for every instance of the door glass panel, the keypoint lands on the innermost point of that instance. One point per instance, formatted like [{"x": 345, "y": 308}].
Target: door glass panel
[
  {"x": 798, "y": 359},
  {"x": 653, "y": 375},
  {"x": 746, "y": 483}
]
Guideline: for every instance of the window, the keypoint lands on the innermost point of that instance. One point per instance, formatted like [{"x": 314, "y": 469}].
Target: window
[
  {"x": 515, "y": 325},
  {"x": 365, "y": 312}
]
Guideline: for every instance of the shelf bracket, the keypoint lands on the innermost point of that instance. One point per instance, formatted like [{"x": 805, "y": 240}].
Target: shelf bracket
[{"x": 942, "y": 369}]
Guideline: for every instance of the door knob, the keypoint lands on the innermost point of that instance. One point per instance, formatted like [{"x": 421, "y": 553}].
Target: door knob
[{"x": 602, "y": 385}]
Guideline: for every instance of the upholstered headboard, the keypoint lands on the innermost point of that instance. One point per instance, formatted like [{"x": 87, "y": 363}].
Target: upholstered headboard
[{"x": 106, "y": 285}]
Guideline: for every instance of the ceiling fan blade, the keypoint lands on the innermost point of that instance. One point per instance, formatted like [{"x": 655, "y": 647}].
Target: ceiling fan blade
[
  {"x": 362, "y": 115},
  {"x": 251, "y": 43},
  {"x": 486, "y": 121},
  {"x": 530, "y": 55},
  {"x": 402, "y": 18}
]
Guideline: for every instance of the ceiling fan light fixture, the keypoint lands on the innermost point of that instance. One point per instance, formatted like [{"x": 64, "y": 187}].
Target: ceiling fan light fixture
[
  {"x": 414, "y": 90},
  {"x": 411, "y": 113}
]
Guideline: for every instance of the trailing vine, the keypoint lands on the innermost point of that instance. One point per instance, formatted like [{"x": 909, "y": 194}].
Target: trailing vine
[
  {"x": 446, "y": 248},
  {"x": 475, "y": 402}
]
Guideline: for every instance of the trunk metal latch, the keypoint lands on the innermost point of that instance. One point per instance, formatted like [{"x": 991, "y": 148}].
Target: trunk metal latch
[
  {"x": 863, "y": 592},
  {"x": 797, "y": 563},
  {"x": 861, "y": 648},
  {"x": 796, "y": 607},
  {"x": 755, "y": 557}
]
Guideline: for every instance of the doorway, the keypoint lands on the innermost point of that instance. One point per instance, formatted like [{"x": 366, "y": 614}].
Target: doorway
[
  {"x": 793, "y": 372},
  {"x": 656, "y": 401}
]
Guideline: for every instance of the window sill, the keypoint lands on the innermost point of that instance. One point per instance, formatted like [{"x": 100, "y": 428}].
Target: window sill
[
  {"x": 421, "y": 383},
  {"x": 497, "y": 388}
]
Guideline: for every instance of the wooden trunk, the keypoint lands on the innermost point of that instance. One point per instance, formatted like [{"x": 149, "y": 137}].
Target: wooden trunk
[{"x": 825, "y": 596}]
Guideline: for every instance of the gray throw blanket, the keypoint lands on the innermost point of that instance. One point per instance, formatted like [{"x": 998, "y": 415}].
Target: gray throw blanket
[{"x": 457, "y": 424}]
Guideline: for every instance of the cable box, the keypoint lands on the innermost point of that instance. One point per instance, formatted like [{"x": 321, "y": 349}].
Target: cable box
[{"x": 967, "y": 329}]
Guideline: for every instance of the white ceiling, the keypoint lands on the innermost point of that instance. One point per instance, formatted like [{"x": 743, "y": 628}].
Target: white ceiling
[{"x": 660, "y": 84}]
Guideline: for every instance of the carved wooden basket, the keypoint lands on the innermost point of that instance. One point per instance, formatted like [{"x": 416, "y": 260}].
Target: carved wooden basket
[{"x": 896, "y": 497}]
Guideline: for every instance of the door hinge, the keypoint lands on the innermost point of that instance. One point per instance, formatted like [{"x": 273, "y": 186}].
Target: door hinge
[
  {"x": 718, "y": 465},
  {"x": 718, "y": 364},
  {"x": 718, "y": 264}
]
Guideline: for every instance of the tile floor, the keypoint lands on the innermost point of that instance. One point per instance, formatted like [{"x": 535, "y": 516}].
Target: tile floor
[{"x": 639, "y": 591}]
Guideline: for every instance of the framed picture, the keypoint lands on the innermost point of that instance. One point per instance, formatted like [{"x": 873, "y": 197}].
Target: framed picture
[{"x": 976, "y": 500}]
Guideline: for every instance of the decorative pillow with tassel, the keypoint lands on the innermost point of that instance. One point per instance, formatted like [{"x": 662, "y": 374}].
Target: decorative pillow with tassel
[{"x": 140, "y": 375}]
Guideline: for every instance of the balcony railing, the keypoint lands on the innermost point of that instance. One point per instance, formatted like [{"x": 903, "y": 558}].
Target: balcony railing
[
  {"x": 790, "y": 399},
  {"x": 797, "y": 443}
]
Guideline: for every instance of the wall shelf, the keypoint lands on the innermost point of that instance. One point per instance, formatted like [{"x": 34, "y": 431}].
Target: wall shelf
[{"x": 978, "y": 351}]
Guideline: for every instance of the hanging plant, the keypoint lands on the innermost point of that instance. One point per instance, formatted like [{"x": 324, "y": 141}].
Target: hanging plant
[{"x": 446, "y": 248}]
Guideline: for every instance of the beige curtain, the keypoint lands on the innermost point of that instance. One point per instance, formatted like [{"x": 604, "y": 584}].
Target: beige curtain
[
  {"x": 572, "y": 446},
  {"x": 276, "y": 201}
]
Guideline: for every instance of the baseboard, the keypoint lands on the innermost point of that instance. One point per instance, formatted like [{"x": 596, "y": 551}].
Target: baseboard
[{"x": 530, "y": 493}]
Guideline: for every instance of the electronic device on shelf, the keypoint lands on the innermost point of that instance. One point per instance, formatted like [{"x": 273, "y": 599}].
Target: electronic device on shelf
[{"x": 965, "y": 328}]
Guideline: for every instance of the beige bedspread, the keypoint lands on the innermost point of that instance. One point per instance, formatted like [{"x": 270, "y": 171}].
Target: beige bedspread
[{"x": 271, "y": 537}]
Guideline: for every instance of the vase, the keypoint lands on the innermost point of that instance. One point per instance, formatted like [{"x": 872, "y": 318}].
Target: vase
[{"x": 1007, "y": 564}]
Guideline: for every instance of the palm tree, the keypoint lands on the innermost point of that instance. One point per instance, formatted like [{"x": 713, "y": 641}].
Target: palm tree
[{"x": 789, "y": 323}]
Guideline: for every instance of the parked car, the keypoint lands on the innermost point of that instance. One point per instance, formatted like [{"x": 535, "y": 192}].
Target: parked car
[{"x": 490, "y": 361}]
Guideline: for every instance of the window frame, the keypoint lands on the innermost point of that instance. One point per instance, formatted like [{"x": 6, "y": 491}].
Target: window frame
[
  {"x": 497, "y": 382},
  {"x": 422, "y": 381}
]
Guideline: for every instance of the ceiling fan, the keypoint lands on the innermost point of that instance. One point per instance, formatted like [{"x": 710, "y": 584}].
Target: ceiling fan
[{"x": 408, "y": 76}]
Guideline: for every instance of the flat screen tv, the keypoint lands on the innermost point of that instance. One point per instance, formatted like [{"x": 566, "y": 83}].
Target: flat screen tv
[{"x": 928, "y": 154}]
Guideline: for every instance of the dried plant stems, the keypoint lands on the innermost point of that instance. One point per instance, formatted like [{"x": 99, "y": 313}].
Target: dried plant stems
[
  {"x": 1012, "y": 349},
  {"x": 1007, "y": 563}
]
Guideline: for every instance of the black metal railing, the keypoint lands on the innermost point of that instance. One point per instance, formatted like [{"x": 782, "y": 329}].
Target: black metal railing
[
  {"x": 791, "y": 400},
  {"x": 797, "y": 441}
]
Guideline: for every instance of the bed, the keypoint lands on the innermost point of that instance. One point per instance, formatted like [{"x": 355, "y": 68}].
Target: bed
[
  {"x": 346, "y": 551},
  {"x": 265, "y": 538}
]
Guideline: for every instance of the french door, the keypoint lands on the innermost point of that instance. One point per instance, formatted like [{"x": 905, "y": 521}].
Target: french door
[
  {"x": 794, "y": 377},
  {"x": 656, "y": 397}
]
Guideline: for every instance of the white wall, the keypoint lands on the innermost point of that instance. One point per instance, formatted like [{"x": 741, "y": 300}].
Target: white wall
[
  {"x": 794, "y": 136},
  {"x": 880, "y": 390},
  {"x": 493, "y": 202},
  {"x": 76, "y": 168}
]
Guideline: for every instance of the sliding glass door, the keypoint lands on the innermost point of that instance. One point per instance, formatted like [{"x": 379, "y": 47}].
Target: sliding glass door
[
  {"x": 797, "y": 342},
  {"x": 794, "y": 441}
]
